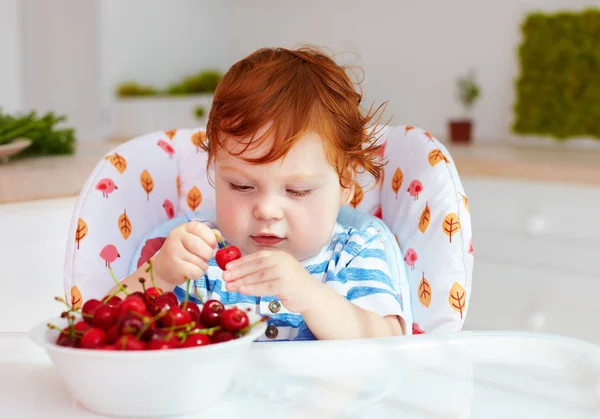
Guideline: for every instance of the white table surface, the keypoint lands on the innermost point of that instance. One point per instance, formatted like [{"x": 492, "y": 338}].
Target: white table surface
[{"x": 465, "y": 375}]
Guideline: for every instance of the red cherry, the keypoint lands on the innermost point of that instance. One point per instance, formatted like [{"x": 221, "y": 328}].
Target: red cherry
[
  {"x": 152, "y": 292},
  {"x": 132, "y": 303},
  {"x": 105, "y": 316},
  {"x": 65, "y": 340},
  {"x": 175, "y": 317},
  {"x": 234, "y": 319},
  {"x": 416, "y": 329},
  {"x": 222, "y": 336},
  {"x": 130, "y": 343},
  {"x": 164, "y": 335},
  {"x": 211, "y": 313},
  {"x": 161, "y": 303},
  {"x": 114, "y": 301},
  {"x": 196, "y": 339},
  {"x": 89, "y": 308},
  {"x": 112, "y": 334},
  {"x": 226, "y": 255},
  {"x": 129, "y": 324},
  {"x": 193, "y": 310},
  {"x": 81, "y": 326},
  {"x": 171, "y": 297},
  {"x": 93, "y": 338}
]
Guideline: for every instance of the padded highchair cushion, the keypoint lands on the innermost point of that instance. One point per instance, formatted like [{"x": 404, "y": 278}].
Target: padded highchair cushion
[{"x": 156, "y": 177}]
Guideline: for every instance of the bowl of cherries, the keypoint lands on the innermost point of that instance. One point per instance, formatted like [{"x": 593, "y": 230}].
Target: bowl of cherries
[{"x": 146, "y": 353}]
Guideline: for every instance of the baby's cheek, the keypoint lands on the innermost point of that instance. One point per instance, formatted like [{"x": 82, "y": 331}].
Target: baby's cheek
[{"x": 230, "y": 219}]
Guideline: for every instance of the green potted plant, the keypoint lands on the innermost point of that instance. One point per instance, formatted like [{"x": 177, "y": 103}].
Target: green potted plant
[{"x": 468, "y": 90}]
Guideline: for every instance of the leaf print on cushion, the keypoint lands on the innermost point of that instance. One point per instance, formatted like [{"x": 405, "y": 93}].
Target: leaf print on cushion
[
  {"x": 408, "y": 128},
  {"x": 194, "y": 198},
  {"x": 170, "y": 133},
  {"x": 425, "y": 292},
  {"x": 457, "y": 298},
  {"x": 125, "y": 225},
  {"x": 147, "y": 183},
  {"x": 118, "y": 162},
  {"x": 436, "y": 156},
  {"x": 81, "y": 232},
  {"x": 150, "y": 248},
  {"x": 197, "y": 139},
  {"x": 178, "y": 185},
  {"x": 424, "y": 219},
  {"x": 397, "y": 181},
  {"x": 358, "y": 195},
  {"x": 76, "y": 299},
  {"x": 428, "y": 135},
  {"x": 451, "y": 225}
]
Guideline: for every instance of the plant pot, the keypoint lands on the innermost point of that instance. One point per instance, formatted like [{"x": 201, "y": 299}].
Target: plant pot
[
  {"x": 13, "y": 148},
  {"x": 461, "y": 131}
]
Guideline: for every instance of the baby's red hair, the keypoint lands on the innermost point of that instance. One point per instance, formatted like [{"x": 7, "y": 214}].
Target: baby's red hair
[{"x": 297, "y": 91}]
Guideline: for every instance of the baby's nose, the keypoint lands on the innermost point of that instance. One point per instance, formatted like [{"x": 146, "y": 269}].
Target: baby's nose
[{"x": 267, "y": 208}]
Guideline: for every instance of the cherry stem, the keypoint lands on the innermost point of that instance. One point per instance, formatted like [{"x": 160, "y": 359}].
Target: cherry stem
[
  {"x": 143, "y": 282},
  {"x": 198, "y": 296},
  {"x": 71, "y": 333},
  {"x": 62, "y": 300},
  {"x": 121, "y": 288},
  {"x": 151, "y": 270},
  {"x": 187, "y": 293},
  {"x": 108, "y": 297},
  {"x": 209, "y": 331},
  {"x": 221, "y": 240},
  {"x": 251, "y": 325}
]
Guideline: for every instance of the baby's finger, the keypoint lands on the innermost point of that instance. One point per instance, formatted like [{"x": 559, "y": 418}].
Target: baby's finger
[
  {"x": 197, "y": 246},
  {"x": 202, "y": 231},
  {"x": 197, "y": 261},
  {"x": 254, "y": 278},
  {"x": 249, "y": 258},
  {"x": 247, "y": 265},
  {"x": 264, "y": 289}
]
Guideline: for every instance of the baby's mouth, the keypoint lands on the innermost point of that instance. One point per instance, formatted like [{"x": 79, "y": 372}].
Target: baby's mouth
[{"x": 267, "y": 239}]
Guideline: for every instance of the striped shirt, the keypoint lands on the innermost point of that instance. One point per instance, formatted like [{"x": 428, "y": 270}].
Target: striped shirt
[{"x": 353, "y": 263}]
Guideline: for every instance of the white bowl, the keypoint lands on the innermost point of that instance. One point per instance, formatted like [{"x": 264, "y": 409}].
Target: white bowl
[
  {"x": 14, "y": 147},
  {"x": 146, "y": 383}
]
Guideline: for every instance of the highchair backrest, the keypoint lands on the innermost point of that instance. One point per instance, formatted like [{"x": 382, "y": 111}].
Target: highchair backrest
[{"x": 152, "y": 178}]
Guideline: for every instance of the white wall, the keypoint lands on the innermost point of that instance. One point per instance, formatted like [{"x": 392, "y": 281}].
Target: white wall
[
  {"x": 411, "y": 51},
  {"x": 11, "y": 94},
  {"x": 161, "y": 41},
  {"x": 61, "y": 61}
]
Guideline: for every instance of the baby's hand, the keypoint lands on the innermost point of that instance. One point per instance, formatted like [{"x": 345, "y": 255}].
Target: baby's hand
[
  {"x": 185, "y": 253},
  {"x": 275, "y": 273}
]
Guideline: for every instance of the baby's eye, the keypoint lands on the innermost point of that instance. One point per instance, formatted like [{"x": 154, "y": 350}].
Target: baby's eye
[
  {"x": 241, "y": 188},
  {"x": 299, "y": 193}
]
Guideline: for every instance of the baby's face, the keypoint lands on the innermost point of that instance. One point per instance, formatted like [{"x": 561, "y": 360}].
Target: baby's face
[{"x": 291, "y": 204}]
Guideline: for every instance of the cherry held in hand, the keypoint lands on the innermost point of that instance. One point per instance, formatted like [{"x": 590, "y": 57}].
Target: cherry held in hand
[{"x": 226, "y": 254}]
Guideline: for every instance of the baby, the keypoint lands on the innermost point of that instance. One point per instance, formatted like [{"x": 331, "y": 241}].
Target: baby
[{"x": 286, "y": 139}]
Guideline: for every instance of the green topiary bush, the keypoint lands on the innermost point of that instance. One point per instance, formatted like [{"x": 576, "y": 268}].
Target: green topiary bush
[
  {"x": 133, "y": 89},
  {"x": 558, "y": 90}
]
